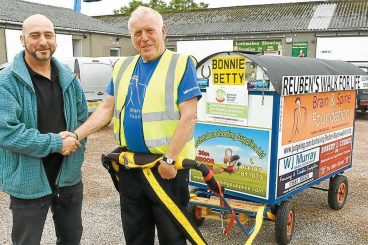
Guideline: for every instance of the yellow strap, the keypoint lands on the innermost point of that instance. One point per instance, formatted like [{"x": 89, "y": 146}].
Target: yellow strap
[
  {"x": 259, "y": 219},
  {"x": 127, "y": 159},
  {"x": 147, "y": 165},
  {"x": 271, "y": 216},
  {"x": 115, "y": 166},
  {"x": 172, "y": 207}
]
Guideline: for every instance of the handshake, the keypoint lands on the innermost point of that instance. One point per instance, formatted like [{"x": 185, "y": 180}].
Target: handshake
[{"x": 70, "y": 142}]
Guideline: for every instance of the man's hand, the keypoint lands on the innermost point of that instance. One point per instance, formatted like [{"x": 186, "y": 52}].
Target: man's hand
[
  {"x": 65, "y": 134},
  {"x": 166, "y": 171},
  {"x": 70, "y": 145}
]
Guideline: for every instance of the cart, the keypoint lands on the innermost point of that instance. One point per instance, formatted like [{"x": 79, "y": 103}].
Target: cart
[{"x": 270, "y": 127}]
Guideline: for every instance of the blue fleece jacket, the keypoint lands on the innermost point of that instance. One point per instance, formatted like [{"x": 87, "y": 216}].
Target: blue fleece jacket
[{"x": 22, "y": 146}]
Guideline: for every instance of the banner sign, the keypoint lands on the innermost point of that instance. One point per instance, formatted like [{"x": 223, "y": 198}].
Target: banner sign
[
  {"x": 228, "y": 70},
  {"x": 239, "y": 157},
  {"x": 308, "y": 116},
  {"x": 297, "y": 170},
  {"x": 299, "y": 49},
  {"x": 301, "y": 168},
  {"x": 227, "y": 105},
  {"x": 315, "y": 137},
  {"x": 258, "y": 45},
  {"x": 363, "y": 82},
  {"x": 294, "y": 85},
  {"x": 335, "y": 155}
]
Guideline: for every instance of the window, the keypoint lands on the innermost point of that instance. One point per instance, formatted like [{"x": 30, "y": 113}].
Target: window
[
  {"x": 77, "y": 48},
  {"x": 114, "y": 51}
]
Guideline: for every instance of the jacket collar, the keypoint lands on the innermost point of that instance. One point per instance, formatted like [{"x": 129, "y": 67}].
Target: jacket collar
[{"x": 19, "y": 68}]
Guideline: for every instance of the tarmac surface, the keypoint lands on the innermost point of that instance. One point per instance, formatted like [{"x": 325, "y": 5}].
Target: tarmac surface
[{"x": 315, "y": 223}]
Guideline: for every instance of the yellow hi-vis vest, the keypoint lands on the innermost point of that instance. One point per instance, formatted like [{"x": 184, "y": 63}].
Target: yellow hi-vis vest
[{"x": 160, "y": 112}]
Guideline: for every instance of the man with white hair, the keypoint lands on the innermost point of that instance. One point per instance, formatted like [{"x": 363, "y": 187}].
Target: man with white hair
[{"x": 153, "y": 97}]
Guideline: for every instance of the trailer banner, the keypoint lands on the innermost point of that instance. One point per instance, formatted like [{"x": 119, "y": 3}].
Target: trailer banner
[
  {"x": 227, "y": 105},
  {"x": 297, "y": 170},
  {"x": 307, "y": 144},
  {"x": 315, "y": 137},
  {"x": 297, "y": 85},
  {"x": 228, "y": 70},
  {"x": 335, "y": 155},
  {"x": 239, "y": 157},
  {"x": 363, "y": 83},
  {"x": 307, "y": 116}
]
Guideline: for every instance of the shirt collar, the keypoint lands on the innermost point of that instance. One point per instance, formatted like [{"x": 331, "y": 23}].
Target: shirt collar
[{"x": 34, "y": 74}]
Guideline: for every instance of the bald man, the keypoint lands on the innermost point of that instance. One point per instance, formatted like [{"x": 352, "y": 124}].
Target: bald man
[{"x": 40, "y": 163}]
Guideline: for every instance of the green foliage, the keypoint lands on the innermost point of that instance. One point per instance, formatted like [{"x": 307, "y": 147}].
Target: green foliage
[
  {"x": 161, "y": 6},
  {"x": 186, "y": 4},
  {"x": 130, "y": 8}
]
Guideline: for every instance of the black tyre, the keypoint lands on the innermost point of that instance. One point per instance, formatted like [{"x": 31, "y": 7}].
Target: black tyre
[
  {"x": 274, "y": 208},
  {"x": 195, "y": 211},
  {"x": 338, "y": 192},
  {"x": 284, "y": 226}
]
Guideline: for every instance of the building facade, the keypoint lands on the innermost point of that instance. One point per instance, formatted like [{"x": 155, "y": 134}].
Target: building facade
[
  {"x": 76, "y": 34},
  {"x": 323, "y": 29}
]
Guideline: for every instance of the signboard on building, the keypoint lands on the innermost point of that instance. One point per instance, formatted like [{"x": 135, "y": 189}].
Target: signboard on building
[
  {"x": 263, "y": 46},
  {"x": 299, "y": 49}
]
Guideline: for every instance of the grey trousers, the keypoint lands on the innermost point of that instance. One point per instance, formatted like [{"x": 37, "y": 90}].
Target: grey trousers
[{"x": 29, "y": 216}]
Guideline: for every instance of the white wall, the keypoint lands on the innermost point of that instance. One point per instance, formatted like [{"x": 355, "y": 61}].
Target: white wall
[
  {"x": 13, "y": 44},
  {"x": 202, "y": 49},
  {"x": 342, "y": 48}
]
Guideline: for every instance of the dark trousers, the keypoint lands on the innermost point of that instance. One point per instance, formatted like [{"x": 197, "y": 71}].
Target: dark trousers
[
  {"x": 29, "y": 216},
  {"x": 141, "y": 211}
]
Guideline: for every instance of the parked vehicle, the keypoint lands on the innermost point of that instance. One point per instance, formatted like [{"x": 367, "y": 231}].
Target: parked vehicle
[
  {"x": 362, "y": 100},
  {"x": 362, "y": 94},
  {"x": 94, "y": 74}
]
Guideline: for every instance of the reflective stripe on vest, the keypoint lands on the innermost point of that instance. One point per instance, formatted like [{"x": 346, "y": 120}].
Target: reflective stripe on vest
[
  {"x": 160, "y": 113},
  {"x": 122, "y": 69}
]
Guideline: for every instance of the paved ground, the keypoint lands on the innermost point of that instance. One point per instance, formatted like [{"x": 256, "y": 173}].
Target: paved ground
[{"x": 316, "y": 223}]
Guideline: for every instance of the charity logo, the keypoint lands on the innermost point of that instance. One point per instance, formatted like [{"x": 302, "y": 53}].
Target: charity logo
[{"x": 220, "y": 95}]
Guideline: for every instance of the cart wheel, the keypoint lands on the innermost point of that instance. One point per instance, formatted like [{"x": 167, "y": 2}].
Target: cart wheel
[
  {"x": 338, "y": 192},
  {"x": 284, "y": 226},
  {"x": 195, "y": 211}
]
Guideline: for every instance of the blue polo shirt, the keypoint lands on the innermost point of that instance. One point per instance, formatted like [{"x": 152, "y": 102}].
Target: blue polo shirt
[{"x": 133, "y": 128}]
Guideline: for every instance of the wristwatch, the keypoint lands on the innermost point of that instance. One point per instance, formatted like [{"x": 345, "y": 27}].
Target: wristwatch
[{"x": 169, "y": 161}]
